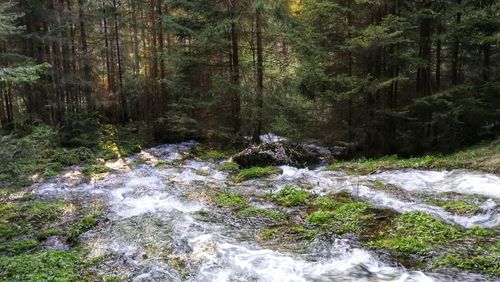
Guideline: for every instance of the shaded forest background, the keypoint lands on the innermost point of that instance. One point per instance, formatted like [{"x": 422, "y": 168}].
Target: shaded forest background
[{"x": 383, "y": 77}]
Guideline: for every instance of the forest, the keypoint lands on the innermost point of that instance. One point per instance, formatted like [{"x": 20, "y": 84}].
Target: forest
[{"x": 249, "y": 140}]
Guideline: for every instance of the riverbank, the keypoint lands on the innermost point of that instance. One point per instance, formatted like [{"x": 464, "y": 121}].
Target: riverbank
[{"x": 483, "y": 157}]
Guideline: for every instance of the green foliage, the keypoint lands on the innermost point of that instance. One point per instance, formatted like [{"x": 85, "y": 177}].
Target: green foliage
[
  {"x": 229, "y": 166},
  {"x": 415, "y": 233},
  {"x": 95, "y": 169},
  {"x": 17, "y": 219},
  {"x": 272, "y": 215},
  {"x": 46, "y": 233},
  {"x": 43, "y": 266},
  {"x": 485, "y": 258},
  {"x": 458, "y": 207},
  {"x": 230, "y": 200},
  {"x": 341, "y": 217},
  {"x": 85, "y": 224},
  {"x": 291, "y": 197},
  {"x": 481, "y": 232},
  {"x": 18, "y": 246},
  {"x": 80, "y": 130},
  {"x": 256, "y": 172}
]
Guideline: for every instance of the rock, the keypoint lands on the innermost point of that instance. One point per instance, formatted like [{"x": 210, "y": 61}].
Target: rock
[{"x": 274, "y": 154}]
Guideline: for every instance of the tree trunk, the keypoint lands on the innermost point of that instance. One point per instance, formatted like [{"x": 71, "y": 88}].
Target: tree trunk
[
  {"x": 85, "y": 58},
  {"x": 456, "y": 50},
  {"x": 123, "y": 99},
  {"x": 109, "y": 73},
  {"x": 260, "y": 78},
  {"x": 235, "y": 74}
]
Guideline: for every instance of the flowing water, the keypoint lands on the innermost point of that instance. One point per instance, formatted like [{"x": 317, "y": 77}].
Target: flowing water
[{"x": 160, "y": 225}]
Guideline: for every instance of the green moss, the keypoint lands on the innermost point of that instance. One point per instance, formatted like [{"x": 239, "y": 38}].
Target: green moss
[
  {"x": 326, "y": 203},
  {"x": 205, "y": 153},
  {"x": 82, "y": 226},
  {"x": 52, "y": 265},
  {"x": 414, "y": 233},
  {"x": 484, "y": 259},
  {"x": 229, "y": 166},
  {"x": 342, "y": 215},
  {"x": 322, "y": 218},
  {"x": 162, "y": 163},
  {"x": 18, "y": 246},
  {"x": 256, "y": 172},
  {"x": 46, "y": 233},
  {"x": 274, "y": 216},
  {"x": 481, "y": 232},
  {"x": 18, "y": 219},
  {"x": 95, "y": 169},
  {"x": 112, "y": 278},
  {"x": 458, "y": 207},
  {"x": 230, "y": 200},
  {"x": 291, "y": 197}
]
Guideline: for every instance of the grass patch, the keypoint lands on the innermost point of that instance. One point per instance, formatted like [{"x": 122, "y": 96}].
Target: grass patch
[
  {"x": 485, "y": 157},
  {"x": 20, "y": 219},
  {"x": 43, "y": 266},
  {"x": 458, "y": 207},
  {"x": 229, "y": 166},
  {"x": 18, "y": 246},
  {"x": 256, "y": 172},
  {"x": 162, "y": 163},
  {"x": 341, "y": 215},
  {"x": 291, "y": 197},
  {"x": 230, "y": 200},
  {"x": 46, "y": 233},
  {"x": 271, "y": 215},
  {"x": 414, "y": 233},
  {"x": 93, "y": 169},
  {"x": 85, "y": 224},
  {"x": 484, "y": 259}
]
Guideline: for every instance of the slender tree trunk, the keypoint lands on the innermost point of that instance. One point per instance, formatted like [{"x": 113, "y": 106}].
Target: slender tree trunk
[
  {"x": 438, "y": 63},
  {"x": 235, "y": 75},
  {"x": 135, "y": 37},
  {"x": 456, "y": 50},
  {"x": 123, "y": 99},
  {"x": 85, "y": 58},
  {"x": 486, "y": 61},
  {"x": 260, "y": 77},
  {"x": 161, "y": 41},
  {"x": 109, "y": 72},
  {"x": 424, "y": 87}
]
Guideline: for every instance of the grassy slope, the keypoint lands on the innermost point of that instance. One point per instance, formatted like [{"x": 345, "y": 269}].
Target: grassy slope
[{"x": 484, "y": 157}]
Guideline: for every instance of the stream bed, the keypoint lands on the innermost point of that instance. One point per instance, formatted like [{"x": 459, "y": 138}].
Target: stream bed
[{"x": 160, "y": 224}]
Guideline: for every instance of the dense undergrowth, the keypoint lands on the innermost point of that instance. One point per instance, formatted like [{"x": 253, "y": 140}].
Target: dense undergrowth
[
  {"x": 27, "y": 225},
  {"x": 38, "y": 152}
]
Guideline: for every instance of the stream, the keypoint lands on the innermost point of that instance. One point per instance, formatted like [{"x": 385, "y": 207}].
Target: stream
[{"x": 156, "y": 226}]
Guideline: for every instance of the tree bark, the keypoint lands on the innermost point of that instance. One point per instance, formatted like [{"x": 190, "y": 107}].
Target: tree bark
[
  {"x": 123, "y": 99},
  {"x": 235, "y": 71},
  {"x": 260, "y": 78}
]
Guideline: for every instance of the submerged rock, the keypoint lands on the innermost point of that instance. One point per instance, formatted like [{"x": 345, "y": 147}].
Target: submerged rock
[{"x": 274, "y": 154}]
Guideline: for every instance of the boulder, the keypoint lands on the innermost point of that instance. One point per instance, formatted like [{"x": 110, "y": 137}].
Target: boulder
[{"x": 277, "y": 153}]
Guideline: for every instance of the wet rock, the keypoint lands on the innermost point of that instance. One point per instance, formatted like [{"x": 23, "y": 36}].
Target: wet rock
[
  {"x": 274, "y": 154},
  {"x": 55, "y": 243}
]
